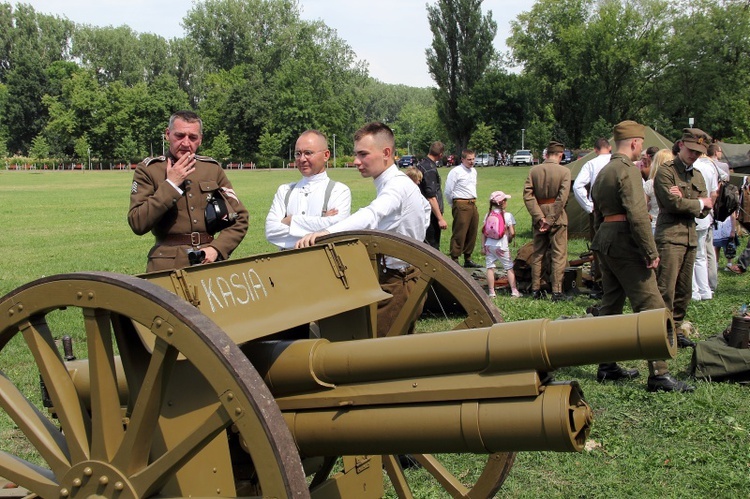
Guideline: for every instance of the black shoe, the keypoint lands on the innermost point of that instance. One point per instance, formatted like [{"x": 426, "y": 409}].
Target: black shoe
[
  {"x": 537, "y": 294},
  {"x": 593, "y": 310},
  {"x": 615, "y": 372},
  {"x": 684, "y": 342},
  {"x": 559, "y": 297},
  {"x": 470, "y": 264},
  {"x": 666, "y": 383}
]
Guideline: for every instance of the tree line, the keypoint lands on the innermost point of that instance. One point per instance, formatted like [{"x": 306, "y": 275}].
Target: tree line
[{"x": 259, "y": 75}]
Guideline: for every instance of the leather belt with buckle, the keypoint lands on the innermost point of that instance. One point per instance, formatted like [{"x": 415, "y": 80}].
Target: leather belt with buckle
[{"x": 192, "y": 239}]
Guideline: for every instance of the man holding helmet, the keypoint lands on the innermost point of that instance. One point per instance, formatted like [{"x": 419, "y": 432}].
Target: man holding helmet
[{"x": 184, "y": 199}]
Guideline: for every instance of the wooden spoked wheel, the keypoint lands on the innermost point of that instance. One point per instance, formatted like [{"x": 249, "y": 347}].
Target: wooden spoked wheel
[
  {"x": 105, "y": 447},
  {"x": 436, "y": 271}
]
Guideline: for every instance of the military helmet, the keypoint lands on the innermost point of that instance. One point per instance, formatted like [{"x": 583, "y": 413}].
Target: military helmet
[{"x": 219, "y": 212}]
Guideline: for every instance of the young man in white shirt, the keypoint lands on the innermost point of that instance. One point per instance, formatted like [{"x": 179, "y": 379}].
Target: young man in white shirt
[
  {"x": 582, "y": 191},
  {"x": 704, "y": 268},
  {"x": 311, "y": 204},
  {"x": 398, "y": 207},
  {"x": 461, "y": 194}
]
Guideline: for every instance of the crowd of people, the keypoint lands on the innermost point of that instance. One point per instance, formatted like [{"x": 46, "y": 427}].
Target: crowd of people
[{"x": 654, "y": 240}]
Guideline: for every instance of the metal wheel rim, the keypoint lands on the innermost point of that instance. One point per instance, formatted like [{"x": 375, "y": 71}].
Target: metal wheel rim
[
  {"x": 480, "y": 312},
  {"x": 242, "y": 398}
]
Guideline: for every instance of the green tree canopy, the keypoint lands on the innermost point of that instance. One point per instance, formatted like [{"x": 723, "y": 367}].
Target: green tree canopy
[
  {"x": 483, "y": 139},
  {"x": 460, "y": 53}
]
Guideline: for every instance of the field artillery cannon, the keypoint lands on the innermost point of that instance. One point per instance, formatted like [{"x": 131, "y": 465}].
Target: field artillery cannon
[{"x": 252, "y": 377}]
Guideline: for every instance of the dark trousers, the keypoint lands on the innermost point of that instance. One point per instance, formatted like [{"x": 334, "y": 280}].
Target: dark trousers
[
  {"x": 465, "y": 223},
  {"x": 432, "y": 236}
]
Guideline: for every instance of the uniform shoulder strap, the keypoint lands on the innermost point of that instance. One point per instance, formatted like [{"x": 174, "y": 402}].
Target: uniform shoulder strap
[
  {"x": 207, "y": 159},
  {"x": 155, "y": 159}
]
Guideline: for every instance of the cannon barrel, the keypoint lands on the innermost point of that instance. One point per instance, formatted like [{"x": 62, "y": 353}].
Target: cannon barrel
[
  {"x": 541, "y": 345},
  {"x": 556, "y": 420}
]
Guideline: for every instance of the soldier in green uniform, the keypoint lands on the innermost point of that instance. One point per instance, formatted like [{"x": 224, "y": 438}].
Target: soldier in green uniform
[
  {"x": 169, "y": 197},
  {"x": 545, "y": 194},
  {"x": 625, "y": 246},
  {"x": 682, "y": 196}
]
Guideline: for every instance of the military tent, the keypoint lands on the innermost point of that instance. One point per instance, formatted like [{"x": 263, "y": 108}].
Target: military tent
[
  {"x": 738, "y": 156},
  {"x": 578, "y": 219}
]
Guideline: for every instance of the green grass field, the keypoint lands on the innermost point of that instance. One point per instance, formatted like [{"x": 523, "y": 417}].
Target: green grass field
[{"x": 643, "y": 444}]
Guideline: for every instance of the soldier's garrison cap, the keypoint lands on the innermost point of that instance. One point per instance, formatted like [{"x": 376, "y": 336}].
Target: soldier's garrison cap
[
  {"x": 554, "y": 147},
  {"x": 628, "y": 129}
]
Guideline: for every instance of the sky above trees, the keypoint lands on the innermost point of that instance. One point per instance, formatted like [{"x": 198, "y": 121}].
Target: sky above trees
[{"x": 391, "y": 37}]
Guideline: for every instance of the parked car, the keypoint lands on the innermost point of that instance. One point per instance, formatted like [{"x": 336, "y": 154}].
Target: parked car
[
  {"x": 567, "y": 157},
  {"x": 483, "y": 159},
  {"x": 523, "y": 157},
  {"x": 407, "y": 160}
]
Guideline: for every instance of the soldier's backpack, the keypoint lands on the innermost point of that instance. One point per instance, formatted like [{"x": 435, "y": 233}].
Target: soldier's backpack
[{"x": 494, "y": 225}]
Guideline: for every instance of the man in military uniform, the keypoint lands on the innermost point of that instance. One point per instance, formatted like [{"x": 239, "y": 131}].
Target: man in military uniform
[
  {"x": 682, "y": 196},
  {"x": 545, "y": 194},
  {"x": 625, "y": 247},
  {"x": 432, "y": 192},
  {"x": 169, "y": 197}
]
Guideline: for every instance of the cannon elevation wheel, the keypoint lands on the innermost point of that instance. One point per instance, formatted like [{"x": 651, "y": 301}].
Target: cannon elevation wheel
[
  {"x": 437, "y": 271},
  {"x": 103, "y": 450}
]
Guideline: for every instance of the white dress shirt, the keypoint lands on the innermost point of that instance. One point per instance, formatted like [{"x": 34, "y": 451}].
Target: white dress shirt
[
  {"x": 305, "y": 206},
  {"x": 586, "y": 177},
  {"x": 461, "y": 183},
  {"x": 398, "y": 207},
  {"x": 711, "y": 176}
]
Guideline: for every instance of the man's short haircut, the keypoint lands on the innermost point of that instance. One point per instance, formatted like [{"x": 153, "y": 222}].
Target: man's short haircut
[
  {"x": 437, "y": 149},
  {"x": 651, "y": 151},
  {"x": 317, "y": 133},
  {"x": 601, "y": 143},
  {"x": 188, "y": 117},
  {"x": 713, "y": 149},
  {"x": 466, "y": 152},
  {"x": 380, "y": 131},
  {"x": 620, "y": 143}
]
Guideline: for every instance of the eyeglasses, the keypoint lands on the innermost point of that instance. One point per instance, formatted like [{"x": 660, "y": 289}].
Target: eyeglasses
[{"x": 307, "y": 154}]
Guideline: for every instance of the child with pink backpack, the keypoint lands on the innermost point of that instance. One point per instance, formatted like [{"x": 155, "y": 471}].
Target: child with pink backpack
[{"x": 497, "y": 233}]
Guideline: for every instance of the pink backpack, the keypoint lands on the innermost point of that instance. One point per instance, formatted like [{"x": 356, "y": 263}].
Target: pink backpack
[{"x": 494, "y": 226}]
